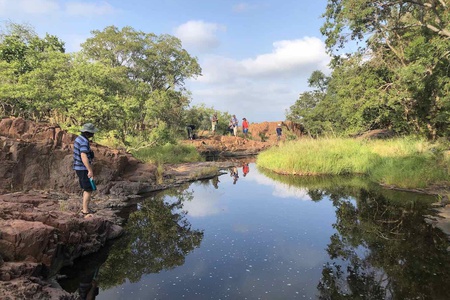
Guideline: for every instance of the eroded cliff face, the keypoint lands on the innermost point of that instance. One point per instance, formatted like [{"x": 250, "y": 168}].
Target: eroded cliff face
[{"x": 39, "y": 156}]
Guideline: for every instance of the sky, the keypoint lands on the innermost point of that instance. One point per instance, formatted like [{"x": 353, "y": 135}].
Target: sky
[{"x": 256, "y": 56}]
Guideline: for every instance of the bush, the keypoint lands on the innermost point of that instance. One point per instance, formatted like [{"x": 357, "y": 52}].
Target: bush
[{"x": 168, "y": 153}]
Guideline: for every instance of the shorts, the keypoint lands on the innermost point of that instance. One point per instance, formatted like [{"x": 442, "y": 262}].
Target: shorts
[
  {"x": 245, "y": 130},
  {"x": 85, "y": 184}
]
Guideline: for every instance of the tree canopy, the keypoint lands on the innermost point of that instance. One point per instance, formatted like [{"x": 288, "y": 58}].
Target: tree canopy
[
  {"x": 399, "y": 79},
  {"x": 128, "y": 82}
]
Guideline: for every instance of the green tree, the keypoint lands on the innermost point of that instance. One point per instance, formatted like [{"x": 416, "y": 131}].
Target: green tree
[
  {"x": 156, "y": 68},
  {"x": 29, "y": 66},
  {"x": 406, "y": 50}
]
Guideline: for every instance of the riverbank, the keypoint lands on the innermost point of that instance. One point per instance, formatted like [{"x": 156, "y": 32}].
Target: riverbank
[
  {"x": 42, "y": 229},
  {"x": 40, "y": 202},
  {"x": 409, "y": 162}
]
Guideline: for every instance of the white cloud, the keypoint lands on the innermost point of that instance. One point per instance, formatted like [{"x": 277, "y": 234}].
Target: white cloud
[
  {"x": 19, "y": 8},
  {"x": 244, "y": 7},
  {"x": 261, "y": 87},
  {"x": 241, "y": 7},
  {"x": 89, "y": 8},
  {"x": 33, "y": 7},
  {"x": 199, "y": 35},
  {"x": 288, "y": 56}
]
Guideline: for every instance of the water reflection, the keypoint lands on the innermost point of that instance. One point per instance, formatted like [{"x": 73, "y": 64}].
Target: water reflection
[
  {"x": 382, "y": 249},
  {"x": 345, "y": 239},
  {"x": 158, "y": 238}
]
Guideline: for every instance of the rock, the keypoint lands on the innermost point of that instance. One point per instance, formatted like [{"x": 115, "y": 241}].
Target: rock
[{"x": 39, "y": 156}]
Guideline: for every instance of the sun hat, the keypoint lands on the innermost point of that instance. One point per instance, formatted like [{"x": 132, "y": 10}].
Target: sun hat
[{"x": 89, "y": 127}]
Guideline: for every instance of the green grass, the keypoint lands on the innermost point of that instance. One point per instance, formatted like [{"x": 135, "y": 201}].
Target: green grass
[
  {"x": 403, "y": 162},
  {"x": 169, "y": 153}
]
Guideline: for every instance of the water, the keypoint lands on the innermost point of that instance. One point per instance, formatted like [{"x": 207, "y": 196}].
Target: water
[{"x": 263, "y": 236}]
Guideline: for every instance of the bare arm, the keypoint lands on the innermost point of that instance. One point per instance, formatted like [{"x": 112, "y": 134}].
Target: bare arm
[{"x": 85, "y": 160}]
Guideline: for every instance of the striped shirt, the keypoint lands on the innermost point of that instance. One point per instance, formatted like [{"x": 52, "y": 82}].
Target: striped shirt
[{"x": 81, "y": 145}]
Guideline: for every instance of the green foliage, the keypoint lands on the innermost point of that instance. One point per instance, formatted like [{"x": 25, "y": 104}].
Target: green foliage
[
  {"x": 169, "y": 153},
  {"x": 29, "y": 70},
  {"x": 154, "y": 71},
  {"x": 262, "y": 136},
  {"x": 129, "y": 83},
  {"x": 398, "y": 80},
  {"x": 200, "y": 117},
  {"x": 406, "y": 163}
]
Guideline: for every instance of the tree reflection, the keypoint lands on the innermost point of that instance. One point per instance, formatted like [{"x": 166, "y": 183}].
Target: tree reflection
[
  {"x": 158, "y": 238},
  {"x": 388, "y": 250},
  {"x": 383, "y": 248}
]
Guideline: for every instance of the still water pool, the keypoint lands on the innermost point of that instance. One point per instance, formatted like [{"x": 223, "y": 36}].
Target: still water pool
[{"x": 263, "y": 236}]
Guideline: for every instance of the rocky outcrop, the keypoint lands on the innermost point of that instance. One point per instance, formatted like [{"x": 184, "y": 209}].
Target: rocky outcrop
[
  {"x": 39, "y": 156},
  {"x": 42, "y": 232},
  {"x": 261, "y": 136}
]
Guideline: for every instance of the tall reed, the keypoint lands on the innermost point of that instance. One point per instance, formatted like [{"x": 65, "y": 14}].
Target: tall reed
[{"x": 403, "y": 162}]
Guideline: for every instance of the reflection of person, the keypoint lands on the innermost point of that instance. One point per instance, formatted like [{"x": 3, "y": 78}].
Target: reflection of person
[
  {"x": 82, "y": 163},
  {"x": 279, "y": 130},
  {"x": 245, "y": 127},
  {"x": 245, "y": 169},
  {"x": 88, "y": 288},
  {"x": 234, "y": 174},
  {"x": 215, "y": 182},
  {"x": 214, "y": 123}
]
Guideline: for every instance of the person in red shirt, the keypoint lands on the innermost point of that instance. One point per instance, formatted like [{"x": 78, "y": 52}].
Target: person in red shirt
[{"x": 245, "y": 127}]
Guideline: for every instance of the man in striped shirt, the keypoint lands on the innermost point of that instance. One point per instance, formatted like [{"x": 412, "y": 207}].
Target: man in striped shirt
[{"x": 82, "y": 163}]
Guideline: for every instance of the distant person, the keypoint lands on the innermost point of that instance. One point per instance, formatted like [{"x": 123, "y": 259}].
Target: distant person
[
  {"x": 214, "y": 121},
  {"x": 245, "y": 127},
  {"x": 230, "y": 127},
  {"x": 235, "y": 123},
  {"x": 190, "y": 131},
  {"x": 245, "y": 169},
  {"x": 279, "y": 131},
  {"x": 82, "y": 164}
]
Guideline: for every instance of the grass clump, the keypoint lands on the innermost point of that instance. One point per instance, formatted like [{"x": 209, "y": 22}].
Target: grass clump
[
  {"x": 403, "y": 162},
  {"x": 169, "y": 153}
]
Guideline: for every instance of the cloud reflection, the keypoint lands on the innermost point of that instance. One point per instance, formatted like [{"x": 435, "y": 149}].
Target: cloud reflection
[
  {"x": 206, "y": 203},
  {"x": 281, "y": 190}
]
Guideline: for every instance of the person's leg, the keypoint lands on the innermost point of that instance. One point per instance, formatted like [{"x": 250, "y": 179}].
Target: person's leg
[
  {"x": 86, "y": 186},
  {"x": 235, "y": 130},
  {"x": 86, "y": 200}
]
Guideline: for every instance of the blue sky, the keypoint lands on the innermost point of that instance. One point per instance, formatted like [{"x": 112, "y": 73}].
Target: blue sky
[{"x": 256, "y": 56}]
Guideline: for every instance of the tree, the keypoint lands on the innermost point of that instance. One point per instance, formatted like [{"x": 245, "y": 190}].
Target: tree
[
  {"x": 408, "y": 41},
  {"x": 29, "y": 66},
  {"x": 156, "y": 68}
]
